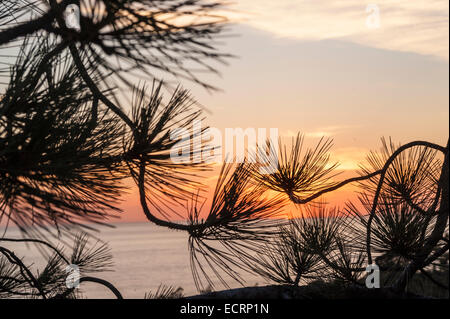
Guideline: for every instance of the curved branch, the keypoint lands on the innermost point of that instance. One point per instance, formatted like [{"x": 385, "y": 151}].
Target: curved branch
[
  {"x": 297, "y": 200},
  {"x": 26, "y": 28},
  {"x": 37, "y": 241},
  {"x": 435, "y": 256},
  {"x": 420, "y": 259},
  {"x": 145, "y": 208},
  {"x": 381, "y": 181},
  {"x": 44, "y": 22},
  {"x": 16, "y": 260},
  {"x": 85, "y": 75},
  {"x": 95, "y": 90}
]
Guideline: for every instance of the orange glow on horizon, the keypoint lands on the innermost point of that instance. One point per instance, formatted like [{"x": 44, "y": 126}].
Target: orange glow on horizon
[{"x": 132, "y": 210}]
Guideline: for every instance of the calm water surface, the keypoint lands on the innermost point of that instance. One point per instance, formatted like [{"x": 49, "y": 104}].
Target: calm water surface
[{"x": 144, "y": 255}]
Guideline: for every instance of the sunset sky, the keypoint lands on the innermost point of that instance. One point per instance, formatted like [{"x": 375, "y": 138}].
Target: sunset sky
[
  {"x": 94, "y": 114},
  {"x": 323, "y": 68},
  {"x": 317, "y": 68}
]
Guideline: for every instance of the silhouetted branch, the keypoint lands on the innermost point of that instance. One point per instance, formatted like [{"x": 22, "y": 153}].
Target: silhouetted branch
[
  {"x": 26, "y": 28},
  {"x": 297, "y": 200},
  {"x": 26, "y": 273},
  {"x": 441, "y": 223},
  {"x": 381, "y": 180},
  {"x": 37, "y": 241},
  {"x": 99, "y": 281}
]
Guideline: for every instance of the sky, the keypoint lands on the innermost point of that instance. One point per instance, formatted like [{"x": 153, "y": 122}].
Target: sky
[
  {"x": 351, "y": 70},
  {"x": 322, "y": 68},
  {"x": 419, "y": 26}
]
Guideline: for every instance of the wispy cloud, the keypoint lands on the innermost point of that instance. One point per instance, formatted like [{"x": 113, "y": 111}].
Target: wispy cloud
[
  {"x": 419, "y": 26},
  {"x": 327, "y": 131}
]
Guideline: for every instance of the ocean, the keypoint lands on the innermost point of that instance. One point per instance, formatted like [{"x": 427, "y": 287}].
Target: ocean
[{"x": 145, "y": 256}]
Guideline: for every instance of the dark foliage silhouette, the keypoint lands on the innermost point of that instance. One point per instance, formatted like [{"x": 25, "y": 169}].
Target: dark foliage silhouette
[{"x": 68, "y": 142}]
